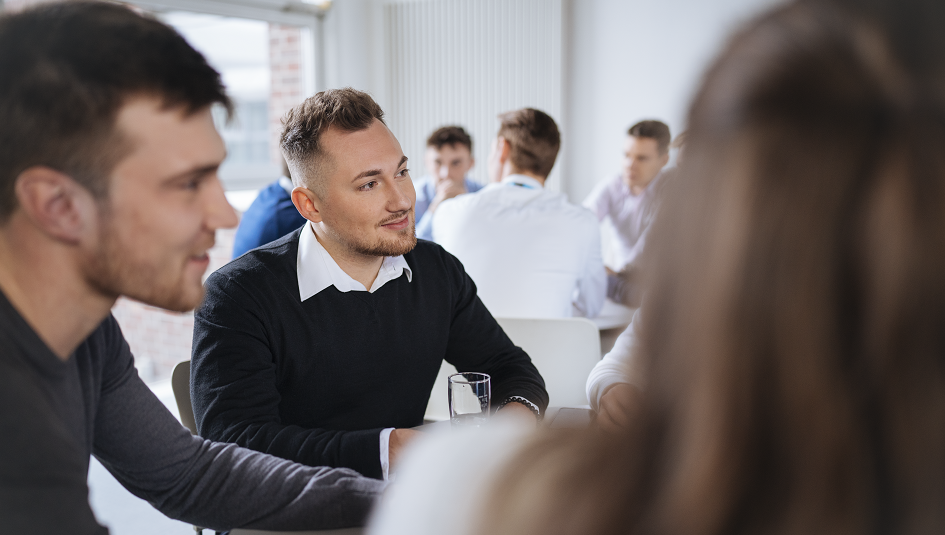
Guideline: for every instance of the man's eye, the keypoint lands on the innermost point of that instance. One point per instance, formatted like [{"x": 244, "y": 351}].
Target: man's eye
[
  {"x": 370, "y": 185},
  {"x": 404, "y": 172}
]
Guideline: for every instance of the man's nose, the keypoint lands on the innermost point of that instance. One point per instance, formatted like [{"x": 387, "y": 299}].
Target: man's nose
[
  {"x": 400, "y": 199},
  {"x": 219, "y": 213},
  {"x": 444, "y": 171}
]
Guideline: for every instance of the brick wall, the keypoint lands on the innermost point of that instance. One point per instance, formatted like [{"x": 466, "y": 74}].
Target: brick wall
[{"x": 285, "y": 75}]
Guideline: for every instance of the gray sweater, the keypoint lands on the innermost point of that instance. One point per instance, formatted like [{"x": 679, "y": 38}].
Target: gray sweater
[{"x": 54, "y": 414}]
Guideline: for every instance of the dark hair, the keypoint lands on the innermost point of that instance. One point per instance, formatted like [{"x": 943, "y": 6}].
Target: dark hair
[
  {"x": 533, "y": 138},
  {"x": 655, "y": 130},
  {"x": 449, "y": 135},
  {"x": 348, "y": 109},
  {"x": 792, "y": 326},
  {"x": 65, "y": 71}
]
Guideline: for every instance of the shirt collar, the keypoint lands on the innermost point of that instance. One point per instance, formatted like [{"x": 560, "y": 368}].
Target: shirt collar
[
  {"x": 317, "y": 270},
  {"x": 526, "y": 181}
]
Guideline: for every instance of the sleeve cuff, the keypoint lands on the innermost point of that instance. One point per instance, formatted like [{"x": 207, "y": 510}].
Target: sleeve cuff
[{"x": 385, "y": 452}]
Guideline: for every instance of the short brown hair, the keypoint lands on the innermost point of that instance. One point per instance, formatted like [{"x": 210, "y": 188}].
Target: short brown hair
[
  {"x": 653, "y": 129},
  {"x": 450, "y": 135},
  {"x": 348, "y": 109},
  {"x": 68, "y": 68},
  {"x": 533, "y": 138}
]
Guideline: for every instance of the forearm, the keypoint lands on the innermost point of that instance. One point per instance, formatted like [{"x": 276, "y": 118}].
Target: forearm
[
  {"x": 218, "y": 485},
  {"x": 511, "y": 371},
  {"x": 519, "y": 381},
  {"x": 358, "y": 450},
  {"x": 616, "y": 366},
  {"x": 602, "y": 377},
  {"x": 237, "y": 487},
  {"x": 478, "y": 344}
]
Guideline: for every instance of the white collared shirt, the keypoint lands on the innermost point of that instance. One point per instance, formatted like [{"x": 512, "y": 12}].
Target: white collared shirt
[
  {"x": 630, "y": 215},
  {"x": 317, "y": 270},
  {"x": 530, "y": 252}
]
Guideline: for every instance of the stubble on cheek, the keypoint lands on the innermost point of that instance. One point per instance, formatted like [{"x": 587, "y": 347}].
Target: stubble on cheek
[{"x": 129, "y": 266}]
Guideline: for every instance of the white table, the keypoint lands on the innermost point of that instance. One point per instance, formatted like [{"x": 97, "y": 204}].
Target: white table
[{"x": 613, "y": 315}]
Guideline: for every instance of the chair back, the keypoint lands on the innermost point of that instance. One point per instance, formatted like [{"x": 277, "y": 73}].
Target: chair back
[
  {"x": 563, "y": 349},
  {"x": 180, "y": 383}
]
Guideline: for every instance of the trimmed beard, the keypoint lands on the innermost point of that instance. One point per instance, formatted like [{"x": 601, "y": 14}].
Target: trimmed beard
[{"x": 400, "y": 244}]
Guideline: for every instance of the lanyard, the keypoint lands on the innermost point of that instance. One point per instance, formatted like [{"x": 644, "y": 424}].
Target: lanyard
[{"x": 522, "y": 185}]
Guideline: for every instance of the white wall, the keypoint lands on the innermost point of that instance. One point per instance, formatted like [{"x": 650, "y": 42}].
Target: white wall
[
  {"x": 351, "y": 58},
  {"x": 625, "y": 60},
  {"x": 633, "y": 60}
]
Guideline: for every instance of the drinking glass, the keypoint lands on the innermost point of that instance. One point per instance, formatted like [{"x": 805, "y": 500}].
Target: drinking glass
[{"x": 470, "y": 396}]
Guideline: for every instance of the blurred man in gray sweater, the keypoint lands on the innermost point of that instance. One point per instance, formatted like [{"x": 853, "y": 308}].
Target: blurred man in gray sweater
[{"x": 108, "y": 187}]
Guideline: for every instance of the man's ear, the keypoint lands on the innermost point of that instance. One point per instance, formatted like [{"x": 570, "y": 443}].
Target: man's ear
[
  {"x": 503, "y": 148},
  {"x": 664, "y": 159},
  {"x": 307, "y": 203},
  {"x": 55, "y": 203}
]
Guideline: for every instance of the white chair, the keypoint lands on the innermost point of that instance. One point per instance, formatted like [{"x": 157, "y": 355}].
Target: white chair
[{"x": 564, "y": 351}]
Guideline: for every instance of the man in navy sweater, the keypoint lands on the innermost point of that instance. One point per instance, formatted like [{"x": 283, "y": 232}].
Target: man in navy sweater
[{"x": 323, "y": 346}]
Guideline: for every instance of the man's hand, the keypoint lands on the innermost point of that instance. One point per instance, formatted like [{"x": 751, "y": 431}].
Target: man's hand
[
  {"x": 518, "y": 411},
  {"x": 617, "y": 406},
  {"x": 447, "y": 189},
  {"x": 398, "y": 439}
]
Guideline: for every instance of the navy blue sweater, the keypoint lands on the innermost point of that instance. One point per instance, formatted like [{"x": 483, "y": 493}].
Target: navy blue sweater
[{"x": 316, "y": 381}]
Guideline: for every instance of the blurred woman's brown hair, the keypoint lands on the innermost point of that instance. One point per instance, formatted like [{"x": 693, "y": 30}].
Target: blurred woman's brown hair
[{"x": 794, "y": 325}]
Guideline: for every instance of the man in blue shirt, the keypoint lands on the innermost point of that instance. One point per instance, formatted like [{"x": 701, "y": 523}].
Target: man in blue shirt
[
  {"x": 448, "y": 159},
  {"x": 271, "y": 216}
]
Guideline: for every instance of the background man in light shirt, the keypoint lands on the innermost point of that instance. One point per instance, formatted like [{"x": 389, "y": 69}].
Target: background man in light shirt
[
  {"x": 448, "y": 160},
  {"x": 323, "y": 346},
  {"x": 530, "y": 252},
  {"x": 614, "y": 384},
  {"x": 630, "y": 199}
]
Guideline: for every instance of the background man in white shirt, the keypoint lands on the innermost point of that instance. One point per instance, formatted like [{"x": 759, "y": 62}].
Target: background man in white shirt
[
  {"x": 448, "y": 160},
  {"x": 628, "y": 199},
  {"x": 530, "y": 252}
]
